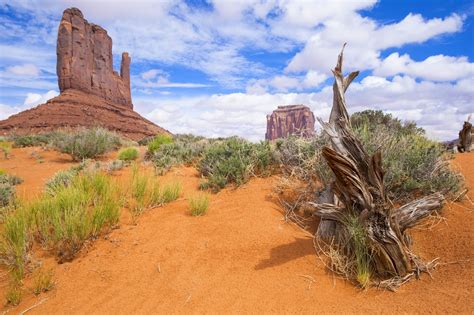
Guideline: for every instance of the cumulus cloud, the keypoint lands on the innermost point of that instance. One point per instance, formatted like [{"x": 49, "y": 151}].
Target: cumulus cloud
[
  {"x": 6, "y": 111},
  {"x": 284, "y": 83},
  {"x": 33, "y": 99},
  {"x": 366, "y": 40},
  {"x": 435, "y": 68},
  {"x": 440, "y": 108}
]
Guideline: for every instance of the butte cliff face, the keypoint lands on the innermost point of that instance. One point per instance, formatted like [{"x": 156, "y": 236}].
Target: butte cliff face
[
  {"x": 290, "y": 120},
  {"x": 85, "y": 60},
  {"x": 92, "y": 93}
]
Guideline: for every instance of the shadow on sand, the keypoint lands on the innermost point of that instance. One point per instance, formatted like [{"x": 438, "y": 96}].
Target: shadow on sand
[{"x": 282, "y": 254}]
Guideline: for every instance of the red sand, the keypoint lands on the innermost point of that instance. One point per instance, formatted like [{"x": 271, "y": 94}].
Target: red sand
[{"x": 241, "y": 257}]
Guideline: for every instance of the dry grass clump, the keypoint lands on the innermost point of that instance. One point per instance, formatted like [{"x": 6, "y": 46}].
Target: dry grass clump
[
  {"x": 43, "y": 281},
  {"x": 198, "y": 205},
  {"x": 146, "y": 192},
  {"x": 69, "y": 214}
]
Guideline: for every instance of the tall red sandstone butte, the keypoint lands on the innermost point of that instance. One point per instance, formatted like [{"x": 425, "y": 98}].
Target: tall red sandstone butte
[
  {"x": 84, "y": 52},
  {"x": 92, "y": 93},
  {"x": 290, "y": 120}
]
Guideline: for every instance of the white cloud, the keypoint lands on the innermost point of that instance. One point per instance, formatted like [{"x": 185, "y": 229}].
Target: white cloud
[
  {"x": 440, "y": 108},
  {"x": 366, "y": 39},
  {"x": 33, "y": 99},
  {"x": 284, "y": 83},
  {"x": 6, "y": 111},
  {"x": 435, "y": 68},
  {"x": 24, "y": 70},
  {"x": 156, "y": 78}
]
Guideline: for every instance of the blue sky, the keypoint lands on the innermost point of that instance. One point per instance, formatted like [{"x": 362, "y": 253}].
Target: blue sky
[{"x": 216, "y": 68}]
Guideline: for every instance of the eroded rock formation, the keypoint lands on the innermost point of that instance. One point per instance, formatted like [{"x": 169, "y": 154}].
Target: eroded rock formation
[
  {"x": 290, "y": 120},
  {"x": 85, "y": 61},
  {"x": 92, "y": 93}
]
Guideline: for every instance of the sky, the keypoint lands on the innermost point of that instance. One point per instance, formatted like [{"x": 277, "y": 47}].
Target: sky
[{"x": 218, "y": 67}]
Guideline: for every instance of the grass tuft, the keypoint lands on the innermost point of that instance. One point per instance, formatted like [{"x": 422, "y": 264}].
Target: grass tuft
[
  {"x": 128, "y": 154},
  {"x": 43, "y": 281},
  {"x": 198, "y": 205}
]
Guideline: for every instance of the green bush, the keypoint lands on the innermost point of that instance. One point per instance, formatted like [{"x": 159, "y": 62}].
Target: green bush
[
  {"x": 234, "y": 160},
  {"x": 302, "y": 158},
  {"x": 412, "y": 163},
  {"x": 32, "y": 140},
  {"x": 5, "y": 148},
  {"x": 185, "y": 149},
  {"x": 7, "y": 188},
  {"x": 198, "y": 205},
  {"x": 76, "y": 212},
  {"x": 157, "y": 141},
  {"x": 87, "y": 143},
  {"x": 59, "y": 181},
  {"x": 128, "y": 154}
]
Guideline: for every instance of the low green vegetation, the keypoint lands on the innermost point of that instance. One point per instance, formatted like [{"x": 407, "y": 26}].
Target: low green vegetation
[
  {"x": 234, "y": 160},
  {"x": 198, "y": 205},
  {"x": 157, "y": 142},
  {"x": 413, "y": 164},
  {"x": 146, "y": 192},
  {"x": 87, "y": 143},
  {"x": 185, "y": 149},
  {"x": 32, "y": 140},
  {"x": 128, "y": 154},
  {"x": 43, "y": 281},
  {"x": 7, "y": 190},
  {"x": 5, "y": 149}
]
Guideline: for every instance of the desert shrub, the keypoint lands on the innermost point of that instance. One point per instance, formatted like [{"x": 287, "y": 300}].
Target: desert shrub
[
  {"x": 7, "y": 189},
  {"x": 32, "y": 140},
  {"x": 301, "y": 157},
  {"x": 60, "y": 180},
  {"x": 157, "y": 142},
  {"x": 87, "y": 143},
  {"x": 234, "y": 160},
  {"x": 5, "y": 148},
  {"x": 412, "y": 163},
  {"x": 7, "y": 194},
  {"x": 10, "y": 179},
  {"x": 128, "y": 154},
  {"x": 185, "y": 149},
  {"x": 75, "y": 213},
  {"x": 373, "y": 118},
  {"x": 114, "y": 165},
  {"x": 198, "y": 205}
]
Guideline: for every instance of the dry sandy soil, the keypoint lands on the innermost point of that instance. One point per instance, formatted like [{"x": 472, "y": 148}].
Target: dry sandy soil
[{"x": 239, "y": 258}]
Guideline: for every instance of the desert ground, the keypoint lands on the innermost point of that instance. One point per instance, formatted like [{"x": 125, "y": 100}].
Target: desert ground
[{"x": 241, "y": 257}]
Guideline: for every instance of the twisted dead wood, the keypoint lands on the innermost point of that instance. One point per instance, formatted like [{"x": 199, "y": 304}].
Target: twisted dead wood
[
  {"x": 358, "y": 191},
  {"x": 465, "y": 137}
]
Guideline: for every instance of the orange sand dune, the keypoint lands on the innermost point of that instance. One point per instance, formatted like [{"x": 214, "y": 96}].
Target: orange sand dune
[{"x": 242, "y": 258}]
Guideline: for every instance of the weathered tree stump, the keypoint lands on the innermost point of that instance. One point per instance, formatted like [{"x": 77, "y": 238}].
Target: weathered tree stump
[
  {"x": 360, "y": 202},
  {"x": 465, "y": 137}
]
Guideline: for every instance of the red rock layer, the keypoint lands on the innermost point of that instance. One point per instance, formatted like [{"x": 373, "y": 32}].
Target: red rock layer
[
  {"x": 75, "y": 108},
  {"x": 290, "y": 120}
]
